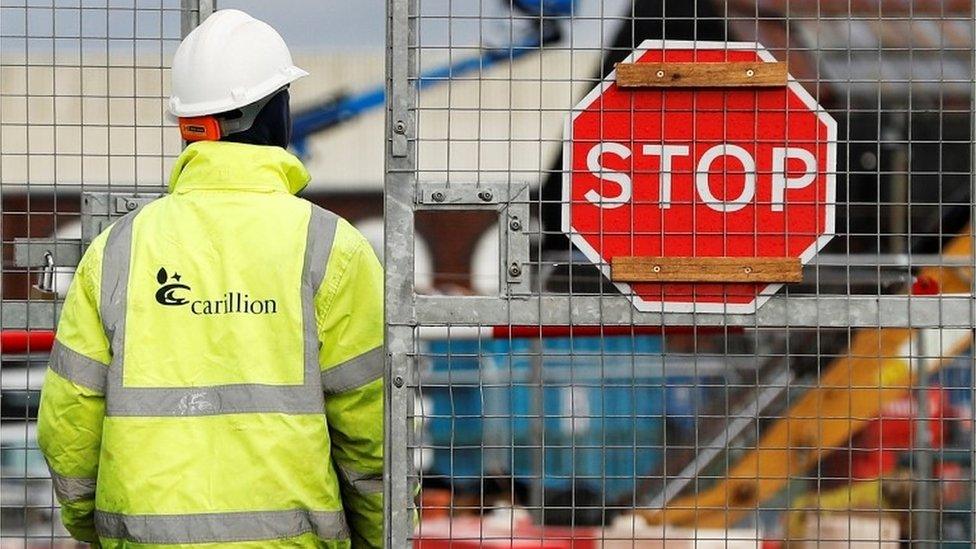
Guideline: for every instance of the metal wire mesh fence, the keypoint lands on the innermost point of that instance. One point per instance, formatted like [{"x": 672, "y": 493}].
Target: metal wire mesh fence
[
  {"x": 615, "y": 379},
  {"x": 555, "y": 389},
  {"x": 82, "y": 91}
]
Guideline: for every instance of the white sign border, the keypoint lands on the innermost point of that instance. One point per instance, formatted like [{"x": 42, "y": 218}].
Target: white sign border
[{"x": 674, "y": 307}]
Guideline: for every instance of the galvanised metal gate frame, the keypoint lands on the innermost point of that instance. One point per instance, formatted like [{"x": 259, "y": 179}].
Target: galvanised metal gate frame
[{"x": 407, "y": 311}]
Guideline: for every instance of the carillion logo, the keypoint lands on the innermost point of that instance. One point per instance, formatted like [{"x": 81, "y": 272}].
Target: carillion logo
[{"x": 173, "y": 292}]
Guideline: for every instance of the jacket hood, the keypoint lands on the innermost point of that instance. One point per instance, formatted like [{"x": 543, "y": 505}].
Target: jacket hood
[{"x": 224, "y": 165}]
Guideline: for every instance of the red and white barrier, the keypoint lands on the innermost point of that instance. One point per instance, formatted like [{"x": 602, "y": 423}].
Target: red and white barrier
[{"x": 26, "y": 341}]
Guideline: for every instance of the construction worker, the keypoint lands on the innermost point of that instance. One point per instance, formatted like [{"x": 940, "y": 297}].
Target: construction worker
[{"x": 217, "y": 374}]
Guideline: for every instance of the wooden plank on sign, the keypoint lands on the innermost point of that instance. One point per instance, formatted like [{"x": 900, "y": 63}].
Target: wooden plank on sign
[
  {"x": 706, "y": 269},
  {"x": 701, "y": 75}
]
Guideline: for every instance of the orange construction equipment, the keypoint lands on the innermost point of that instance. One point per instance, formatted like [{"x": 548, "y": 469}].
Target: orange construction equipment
[{"x": 850, "y": 392}]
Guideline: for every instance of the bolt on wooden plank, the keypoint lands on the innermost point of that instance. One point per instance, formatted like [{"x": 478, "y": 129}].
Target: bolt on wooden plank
[
  {"x": 702, "y": 75},
  {"x": 706, "y": 269}
]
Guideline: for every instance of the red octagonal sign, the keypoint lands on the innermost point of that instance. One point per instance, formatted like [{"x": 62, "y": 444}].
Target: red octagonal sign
[{"x": 699, "y": 172}]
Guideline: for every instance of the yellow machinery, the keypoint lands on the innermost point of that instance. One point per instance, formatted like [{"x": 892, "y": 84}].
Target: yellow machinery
[{"x": 852, "y": 390}]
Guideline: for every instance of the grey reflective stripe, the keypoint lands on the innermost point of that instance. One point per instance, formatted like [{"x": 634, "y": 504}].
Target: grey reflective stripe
[
  {"x": 116, "y": 258},
  {"x": 69, "y": 489},
  {"x": 364, "y": 483},
  {"x": 220, "y": 399},
  {"x": 78, "y": 368},
  {"x": 354, "y": 372},
  {"x": 318, "y": 247},
  {"x": 221, "y": 527},
  {"x": 115, "y": 281},
  {"x": 306, "y": 398}
]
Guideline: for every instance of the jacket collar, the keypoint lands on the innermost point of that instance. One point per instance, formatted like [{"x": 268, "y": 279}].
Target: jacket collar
[{"x": 224, "y": 165}]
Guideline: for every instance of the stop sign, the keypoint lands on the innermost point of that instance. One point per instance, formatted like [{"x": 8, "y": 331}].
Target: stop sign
[{"x": 699, "y": 172}]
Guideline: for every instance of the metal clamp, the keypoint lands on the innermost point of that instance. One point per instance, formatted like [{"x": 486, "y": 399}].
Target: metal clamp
[
  {"x": 510, "y": 200},
  {"x": 30, "y": 253},
  {"x": 100, "y": 209}
]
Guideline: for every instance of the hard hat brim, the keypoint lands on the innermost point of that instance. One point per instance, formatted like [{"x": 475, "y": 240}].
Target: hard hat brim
[{"x": 229, "y": 103}]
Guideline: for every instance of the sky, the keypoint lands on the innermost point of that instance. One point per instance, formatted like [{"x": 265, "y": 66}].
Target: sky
[{"x": 307, "y": 25}]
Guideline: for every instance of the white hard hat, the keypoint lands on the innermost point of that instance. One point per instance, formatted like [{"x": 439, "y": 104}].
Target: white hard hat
[{"x": 229, "y": 61}]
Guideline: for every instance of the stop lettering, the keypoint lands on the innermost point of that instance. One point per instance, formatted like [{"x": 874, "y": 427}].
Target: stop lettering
[{"x": 779, "y": 179}]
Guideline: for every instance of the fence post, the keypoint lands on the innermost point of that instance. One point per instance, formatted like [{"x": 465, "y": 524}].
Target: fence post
[{"x": 399, "y": 194}]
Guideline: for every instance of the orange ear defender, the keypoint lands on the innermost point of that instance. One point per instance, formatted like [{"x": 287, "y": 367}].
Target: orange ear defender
[{"x": 200, "y": 128}]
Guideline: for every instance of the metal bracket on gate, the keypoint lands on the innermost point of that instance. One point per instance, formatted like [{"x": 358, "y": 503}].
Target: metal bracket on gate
[
  {"x": 98, "y": 210},
  {"x": 511, "y": 201}
]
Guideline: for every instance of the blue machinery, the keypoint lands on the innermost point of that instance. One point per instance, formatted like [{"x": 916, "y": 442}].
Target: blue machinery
[
  {"x": 343, "y": 107},
  {"x": 555, "y": 411}
]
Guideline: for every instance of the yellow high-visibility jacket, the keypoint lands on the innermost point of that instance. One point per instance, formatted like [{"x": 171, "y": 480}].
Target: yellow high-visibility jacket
[{"x": 217, "y": 374}]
